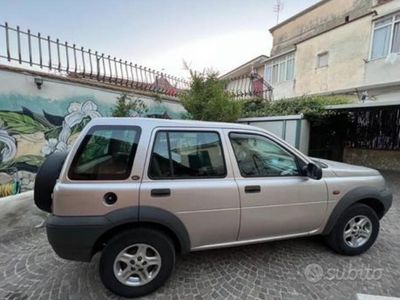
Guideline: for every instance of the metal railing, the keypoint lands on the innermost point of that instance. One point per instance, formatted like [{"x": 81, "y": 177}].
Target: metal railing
[
  {"x": 43, "y": 53},
  {"x": 249, "y": 87}
]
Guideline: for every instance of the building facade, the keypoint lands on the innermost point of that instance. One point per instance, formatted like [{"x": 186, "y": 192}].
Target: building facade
[
  {"x": 347, "y": 47},
  {"x": 344, "y": 47}
]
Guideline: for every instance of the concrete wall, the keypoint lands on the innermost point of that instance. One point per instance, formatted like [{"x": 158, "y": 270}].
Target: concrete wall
[
  {"x": 284, "y": 89},
  {"x": 348, "y": 44},
  {"x": 293, "y": 129},
  {"x": 324, "y": 16},
  {"x": 37, "y": 122},
  {"x": 347, "y": 47}
]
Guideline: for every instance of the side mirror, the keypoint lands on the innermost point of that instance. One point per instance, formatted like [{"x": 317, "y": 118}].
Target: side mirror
[{"x": 313, "y": 171}]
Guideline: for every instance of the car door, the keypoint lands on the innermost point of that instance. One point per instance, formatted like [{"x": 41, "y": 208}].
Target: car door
[
  {"x": 276, "y": 200},
  {"x": 188, "y": 167},
  {"x": 98, "y": 178}
]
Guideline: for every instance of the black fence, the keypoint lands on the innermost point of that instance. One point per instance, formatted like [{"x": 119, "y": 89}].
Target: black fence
[
  {"x": 377, "y": 129},
  {"x": 35, "y": 51},
  {"x": 362, "y": 128}
]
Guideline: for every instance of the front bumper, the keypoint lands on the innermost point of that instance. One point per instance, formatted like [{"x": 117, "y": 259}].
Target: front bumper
[
  {"x": 75, "y": 238},
  {"x": 386, "y": 197}
]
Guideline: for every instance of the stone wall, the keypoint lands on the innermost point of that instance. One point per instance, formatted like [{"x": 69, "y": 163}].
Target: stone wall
[
  {"x": 35, "y": 122},
  {"x": 377, "y": 159}
]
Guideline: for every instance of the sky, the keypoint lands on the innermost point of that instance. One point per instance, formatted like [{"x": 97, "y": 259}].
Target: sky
[{"x": 160, "y": 34}]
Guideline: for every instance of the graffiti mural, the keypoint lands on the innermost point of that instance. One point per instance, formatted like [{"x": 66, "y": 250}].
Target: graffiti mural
[{"x": 31, "y": 133}]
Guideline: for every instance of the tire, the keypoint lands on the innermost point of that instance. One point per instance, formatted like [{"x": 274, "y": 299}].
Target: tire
[
  {"x": 159, "y": 246},
  {"x": 361, "y": 241},
  {"x": 46, "y": 179}
]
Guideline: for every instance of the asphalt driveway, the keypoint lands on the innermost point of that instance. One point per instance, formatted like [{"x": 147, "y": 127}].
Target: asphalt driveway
[{"x": 294, "y": 269}]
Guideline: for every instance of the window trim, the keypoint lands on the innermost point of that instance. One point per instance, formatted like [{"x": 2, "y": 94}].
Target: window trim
[
  {"x": 391, "y": 24},
  {"x": 321, "y": 54},
  {"x": 297, "y": 159},
  {"x": 169, "y": 155},
  {"x": 74, "y": 177},
  {"x": 283, "y": 59}
]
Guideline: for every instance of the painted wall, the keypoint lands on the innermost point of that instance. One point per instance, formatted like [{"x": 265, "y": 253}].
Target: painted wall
[{"x": 37, "y": 122}]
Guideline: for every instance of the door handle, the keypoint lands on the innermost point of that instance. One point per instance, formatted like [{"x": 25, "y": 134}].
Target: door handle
[
  {"x": 160, "y": 192},
  {"x": 252, "y": 189}
]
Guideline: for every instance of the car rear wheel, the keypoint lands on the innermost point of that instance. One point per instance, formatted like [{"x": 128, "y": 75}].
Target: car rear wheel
[
  {"x": 137, "y": 262},
  {"x": 355, "y": 231}
]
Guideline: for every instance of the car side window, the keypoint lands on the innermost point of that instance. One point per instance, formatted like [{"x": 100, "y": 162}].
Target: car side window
[
  {"x": 106, "y": 153},
  {"x": 187, "y": 154},
  {"x": 257, "y": 156}
]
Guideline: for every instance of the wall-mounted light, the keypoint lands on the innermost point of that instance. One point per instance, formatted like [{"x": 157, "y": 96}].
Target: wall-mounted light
[
  {"x": 364, "y": 96},
  {"x": 39, "y": 82}
]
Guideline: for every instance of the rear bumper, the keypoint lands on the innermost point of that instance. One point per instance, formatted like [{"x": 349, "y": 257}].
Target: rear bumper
[{"x": 75, "y": 238}]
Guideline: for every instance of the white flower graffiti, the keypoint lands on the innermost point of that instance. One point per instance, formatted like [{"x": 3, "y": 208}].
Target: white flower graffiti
[
  {"x": 53, "y": 145},
  {"x": 76, "y": 113},
  {"x": 10, "y": 149}
]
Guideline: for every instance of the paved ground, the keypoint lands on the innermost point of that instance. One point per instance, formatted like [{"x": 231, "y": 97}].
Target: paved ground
[{"x": 293, "y": 269}]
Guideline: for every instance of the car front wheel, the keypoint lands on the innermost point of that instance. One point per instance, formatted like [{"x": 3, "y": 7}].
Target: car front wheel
[
  {"x": 355, "y": 231},
  {"x": 137, "y": 262}
]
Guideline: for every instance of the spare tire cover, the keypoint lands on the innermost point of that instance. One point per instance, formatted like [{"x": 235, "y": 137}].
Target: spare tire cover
[{"x": 46, "y": 179}]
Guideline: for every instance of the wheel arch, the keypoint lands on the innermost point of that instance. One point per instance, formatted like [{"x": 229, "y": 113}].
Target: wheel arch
[
  {"x": 147, "y": 217},
  {"x": 365, "y": 195}
]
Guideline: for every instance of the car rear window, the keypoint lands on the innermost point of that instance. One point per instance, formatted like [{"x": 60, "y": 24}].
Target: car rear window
[
  {"x": 106, "y": 153},
  {"x": 187, "y": 154}
]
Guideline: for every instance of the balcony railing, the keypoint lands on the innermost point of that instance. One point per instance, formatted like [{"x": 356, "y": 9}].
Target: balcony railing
[
  {"x": 38, "y": 52},
  {"x": 249, "y": 87}
]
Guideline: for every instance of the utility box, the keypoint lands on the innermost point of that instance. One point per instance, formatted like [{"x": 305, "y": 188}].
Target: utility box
[{"x": 294, "y": 129}]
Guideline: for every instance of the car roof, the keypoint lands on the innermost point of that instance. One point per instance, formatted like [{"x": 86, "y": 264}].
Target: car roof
[{"x": 153, "y": 123}]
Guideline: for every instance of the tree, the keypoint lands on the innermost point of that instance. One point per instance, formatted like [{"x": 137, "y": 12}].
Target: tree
[
  {"x": 126, "y": 107},
  {"x": 208, "y": 100}
]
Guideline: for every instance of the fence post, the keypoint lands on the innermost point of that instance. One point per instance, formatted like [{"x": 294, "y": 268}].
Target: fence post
[
  {"x": 67, "y": 56},
  {"x": 40, "y": 51},
  {"x": 8, "y": 43},
  {"x": 104, "y": 67},
  {"x": 30, "y": 47},
  {"x": 83, "y": 62},
  {"x": 97, "y": 65},
  {"x": 75, "y": 61},
  {"x": 58, "y": 55},
  {"x": 19, "y": 45},
  {"x": 122, "y": 71},
  {"x": 127, "y": 74},
  {"x": 109, "y": 66},
  {"x": 116, "y": 70},
  {"x": 49, "y": 49},
  {"x": 133, "y": 79},
  {"x": 90, "y": 63}
]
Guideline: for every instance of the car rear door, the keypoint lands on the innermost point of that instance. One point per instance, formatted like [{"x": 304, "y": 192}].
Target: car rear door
[
  {"x": 188, "y": 175},
  {"x": 98, "y": 177},
  {"x": 276, "y": 200}
]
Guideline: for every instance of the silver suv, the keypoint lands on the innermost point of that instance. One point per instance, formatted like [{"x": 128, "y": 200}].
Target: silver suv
[{"x": 142, "y": 190}]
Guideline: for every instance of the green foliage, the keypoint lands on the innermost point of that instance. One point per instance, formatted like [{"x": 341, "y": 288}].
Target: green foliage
[
  {"x": 29, "y": 159},
  {"x": 310, "y": 106},
  {"x": 208, "y": 99},
  {"x": 17, "y": 123},
  {"x": 126, "y": 107}
]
